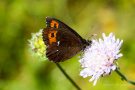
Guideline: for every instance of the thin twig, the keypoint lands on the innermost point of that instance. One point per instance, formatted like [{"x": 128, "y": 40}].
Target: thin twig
[
  {"x": 68, "y": 77},
  {"x": 123, "y": 77}
]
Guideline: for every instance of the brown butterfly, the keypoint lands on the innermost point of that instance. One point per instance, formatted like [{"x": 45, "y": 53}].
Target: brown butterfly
[{"x": 62, "y": 42}]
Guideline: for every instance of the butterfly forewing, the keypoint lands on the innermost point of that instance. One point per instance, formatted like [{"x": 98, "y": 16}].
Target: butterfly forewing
[{"x": 62, "y": 42}]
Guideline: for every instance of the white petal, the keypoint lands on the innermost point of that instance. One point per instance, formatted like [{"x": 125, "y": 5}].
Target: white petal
[{"x": 99, "y": 57}]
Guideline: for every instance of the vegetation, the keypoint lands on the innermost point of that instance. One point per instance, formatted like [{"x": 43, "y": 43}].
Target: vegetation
[{"x": 19, "y": 70}]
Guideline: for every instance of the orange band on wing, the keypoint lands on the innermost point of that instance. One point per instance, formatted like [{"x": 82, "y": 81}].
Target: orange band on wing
[
  {"x": 54, "y": 24},
  {"x": 52, "y": 36}
]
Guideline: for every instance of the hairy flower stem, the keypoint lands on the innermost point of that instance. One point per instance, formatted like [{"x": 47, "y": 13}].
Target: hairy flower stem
[
  {"x": 68, "y": 77},
  {"x": 123, "y": 77}
]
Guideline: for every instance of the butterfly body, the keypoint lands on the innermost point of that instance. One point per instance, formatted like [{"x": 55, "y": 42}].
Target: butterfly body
[{"x": 62, "y": 42}]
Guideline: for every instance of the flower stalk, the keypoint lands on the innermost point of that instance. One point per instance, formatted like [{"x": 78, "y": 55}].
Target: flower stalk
[
  {"x": 123, "y": 77},
  {"x": 68, "y": 77}
]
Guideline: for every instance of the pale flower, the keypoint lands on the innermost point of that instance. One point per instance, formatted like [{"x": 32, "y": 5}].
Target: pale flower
[
  {"x": 37, "y": 45},
  {"x": 99, "y": 58}
]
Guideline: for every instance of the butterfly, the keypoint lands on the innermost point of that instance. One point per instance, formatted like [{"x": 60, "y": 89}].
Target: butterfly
[{"x": 62, "y": 42}]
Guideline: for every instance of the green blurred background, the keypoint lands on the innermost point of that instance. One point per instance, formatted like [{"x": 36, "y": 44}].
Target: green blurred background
[{"x": 19, "y": 70}]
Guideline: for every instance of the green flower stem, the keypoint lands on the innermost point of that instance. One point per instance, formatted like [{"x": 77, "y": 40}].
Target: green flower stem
[
  {"x": 123, "y": 77},
  {"x": 68, "y": 77}
]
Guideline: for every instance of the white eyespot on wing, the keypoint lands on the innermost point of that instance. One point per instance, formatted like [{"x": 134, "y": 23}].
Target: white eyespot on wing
[{"x": 58, "y": 43}]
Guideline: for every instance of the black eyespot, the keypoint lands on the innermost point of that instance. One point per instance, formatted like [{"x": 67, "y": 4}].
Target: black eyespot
[
  {"x": 52, "y": 34},
  {"x": 55, "y": 26}
]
